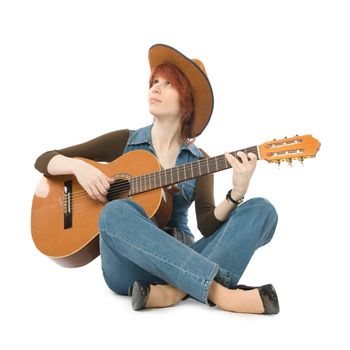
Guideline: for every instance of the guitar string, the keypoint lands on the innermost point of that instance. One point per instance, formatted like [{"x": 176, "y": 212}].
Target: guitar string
[
  {"x": 77, "y": 203},
  {"x": 197, "y": 165},
  {"x": 77, "y": 198},
  {"x": 124, "y": 185},
  {"x": 83, "y": 196},
  {"x": 118, "y": 186},
  {"x": 80, "y": 203},
  {"x": 74, "y": 203},
  {"x": 146, "y": 177}
]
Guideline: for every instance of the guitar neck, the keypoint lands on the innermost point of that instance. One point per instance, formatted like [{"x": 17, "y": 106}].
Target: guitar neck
[{"x": 172, "y": 176}]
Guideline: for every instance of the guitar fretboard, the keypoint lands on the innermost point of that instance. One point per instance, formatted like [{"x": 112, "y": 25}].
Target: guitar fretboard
[{"x": 171, "y": 176}]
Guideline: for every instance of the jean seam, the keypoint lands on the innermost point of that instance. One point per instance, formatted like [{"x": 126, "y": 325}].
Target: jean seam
[
  {"x": 217, "y": 243},
  {"x": 207, "y": 283},
  {"x": 160, "y": 258}
]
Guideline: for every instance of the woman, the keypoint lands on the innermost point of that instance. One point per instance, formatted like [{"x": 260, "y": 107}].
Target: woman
[{"x": 159, "y": 267}]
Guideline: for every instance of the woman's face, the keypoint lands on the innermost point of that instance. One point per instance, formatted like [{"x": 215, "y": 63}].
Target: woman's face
[{"x": 164, "y": 100}]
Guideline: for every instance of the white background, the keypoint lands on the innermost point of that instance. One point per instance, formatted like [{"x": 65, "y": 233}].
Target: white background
[{"x": 72, "y": 70}]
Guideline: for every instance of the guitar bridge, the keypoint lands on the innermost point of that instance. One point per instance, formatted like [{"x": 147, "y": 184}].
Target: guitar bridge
[{"x": 67, "y": 205}]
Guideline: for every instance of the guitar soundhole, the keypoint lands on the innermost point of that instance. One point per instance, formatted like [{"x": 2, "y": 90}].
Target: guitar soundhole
[{"x": 118, "y": 190}]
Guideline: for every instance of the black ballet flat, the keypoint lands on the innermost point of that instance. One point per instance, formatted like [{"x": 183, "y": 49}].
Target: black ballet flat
[
  {"x": 268, "y": 297},
  {"x": 139, "y": 293}
]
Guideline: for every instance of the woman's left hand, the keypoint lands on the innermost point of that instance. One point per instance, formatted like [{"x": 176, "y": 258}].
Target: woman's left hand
[{"x": 242, "y": 172}]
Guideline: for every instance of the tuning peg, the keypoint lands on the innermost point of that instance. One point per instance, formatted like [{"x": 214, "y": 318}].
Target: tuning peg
[
  {"x": 277, "y": 161},
  {"x": 301, "y": 160},
  {"x": 290, "y": 162}
]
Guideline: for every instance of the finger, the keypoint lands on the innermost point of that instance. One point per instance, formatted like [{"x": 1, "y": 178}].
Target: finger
[
  {"x": 234, "y": 162},
  {"x": 90, "y": 192},
  {"x": 242, "y": 156},
  {"x": 101, "y": 188},
  {"x": 96, "y": 194},
  {"x": 252, "y": 157},
  {"x": 110, "y": 179},
  {"x": 105, "y": 183}
]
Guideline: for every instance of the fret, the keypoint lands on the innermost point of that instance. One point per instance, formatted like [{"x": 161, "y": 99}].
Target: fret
[
  {"x": 131, "y": 184},
  {"x": 162, "y": 182},
  {"x": 165, "y": 177},
  {"x": 137, "y": 184},
  {"x": 187, "y": 168},
  {"x": 160, "y": 179}
]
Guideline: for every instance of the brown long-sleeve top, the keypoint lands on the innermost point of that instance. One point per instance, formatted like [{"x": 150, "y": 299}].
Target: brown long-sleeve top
[{"x": 109, "y": 146}]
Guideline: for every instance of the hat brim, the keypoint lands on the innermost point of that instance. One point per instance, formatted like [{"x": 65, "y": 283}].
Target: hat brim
[{"x": 202, "y": 93}]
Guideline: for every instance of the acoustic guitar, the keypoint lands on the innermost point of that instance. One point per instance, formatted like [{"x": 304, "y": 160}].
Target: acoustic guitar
[{"x": 64, "y": 219}]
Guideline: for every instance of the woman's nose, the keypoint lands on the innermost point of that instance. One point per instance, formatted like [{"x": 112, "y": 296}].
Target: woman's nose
[{"x": 156, "y": 88}]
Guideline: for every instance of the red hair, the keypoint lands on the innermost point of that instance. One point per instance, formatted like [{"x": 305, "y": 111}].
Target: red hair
[{"x": 179, "y": 81}]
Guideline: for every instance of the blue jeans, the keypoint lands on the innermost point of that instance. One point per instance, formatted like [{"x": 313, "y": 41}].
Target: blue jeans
[{"x": 134, "y": 248}]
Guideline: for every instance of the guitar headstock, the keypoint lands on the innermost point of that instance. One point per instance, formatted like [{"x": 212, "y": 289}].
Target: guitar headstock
[{"x": 289, "y": 149}]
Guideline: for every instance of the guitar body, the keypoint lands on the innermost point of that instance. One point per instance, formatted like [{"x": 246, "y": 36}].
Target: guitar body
[{"x": 65, "y": 226}]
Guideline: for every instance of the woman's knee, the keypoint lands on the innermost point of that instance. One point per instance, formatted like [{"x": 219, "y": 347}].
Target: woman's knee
[
  {"x": 121, "y": 207},
  {"x": 262, "y": 206},
  {"x": 268, "y": 213},
  {"x": 118, "y": 212},
  {"x": 116, "y": 285},
  {"x": 261, "y": 214}
]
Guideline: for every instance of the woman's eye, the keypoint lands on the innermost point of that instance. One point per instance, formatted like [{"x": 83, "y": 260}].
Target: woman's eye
[
  {"x": 168, "y": 82},
  {"x": 155, "y": 81}
]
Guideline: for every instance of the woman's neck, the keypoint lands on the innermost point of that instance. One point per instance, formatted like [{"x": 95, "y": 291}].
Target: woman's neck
[{"x": 166, "y": 135}]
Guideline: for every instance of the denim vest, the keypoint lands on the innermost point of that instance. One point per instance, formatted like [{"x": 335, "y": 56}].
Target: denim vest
[{"x": 182, "y": 200}]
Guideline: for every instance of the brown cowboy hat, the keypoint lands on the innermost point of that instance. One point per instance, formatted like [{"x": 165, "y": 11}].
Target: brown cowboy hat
[{"x": 202, "y": 93}]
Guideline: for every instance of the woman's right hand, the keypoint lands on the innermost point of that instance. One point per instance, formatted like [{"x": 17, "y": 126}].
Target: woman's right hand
[{"x": 93, "y": 180}]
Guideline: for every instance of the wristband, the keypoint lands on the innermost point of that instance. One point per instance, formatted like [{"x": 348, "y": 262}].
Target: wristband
[{"x": 228, "y": 196}]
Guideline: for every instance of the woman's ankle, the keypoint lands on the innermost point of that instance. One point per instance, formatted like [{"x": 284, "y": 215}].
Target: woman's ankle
[
  {"x": 236, "y": 300},
  {"x": 164, "y": 296}
]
